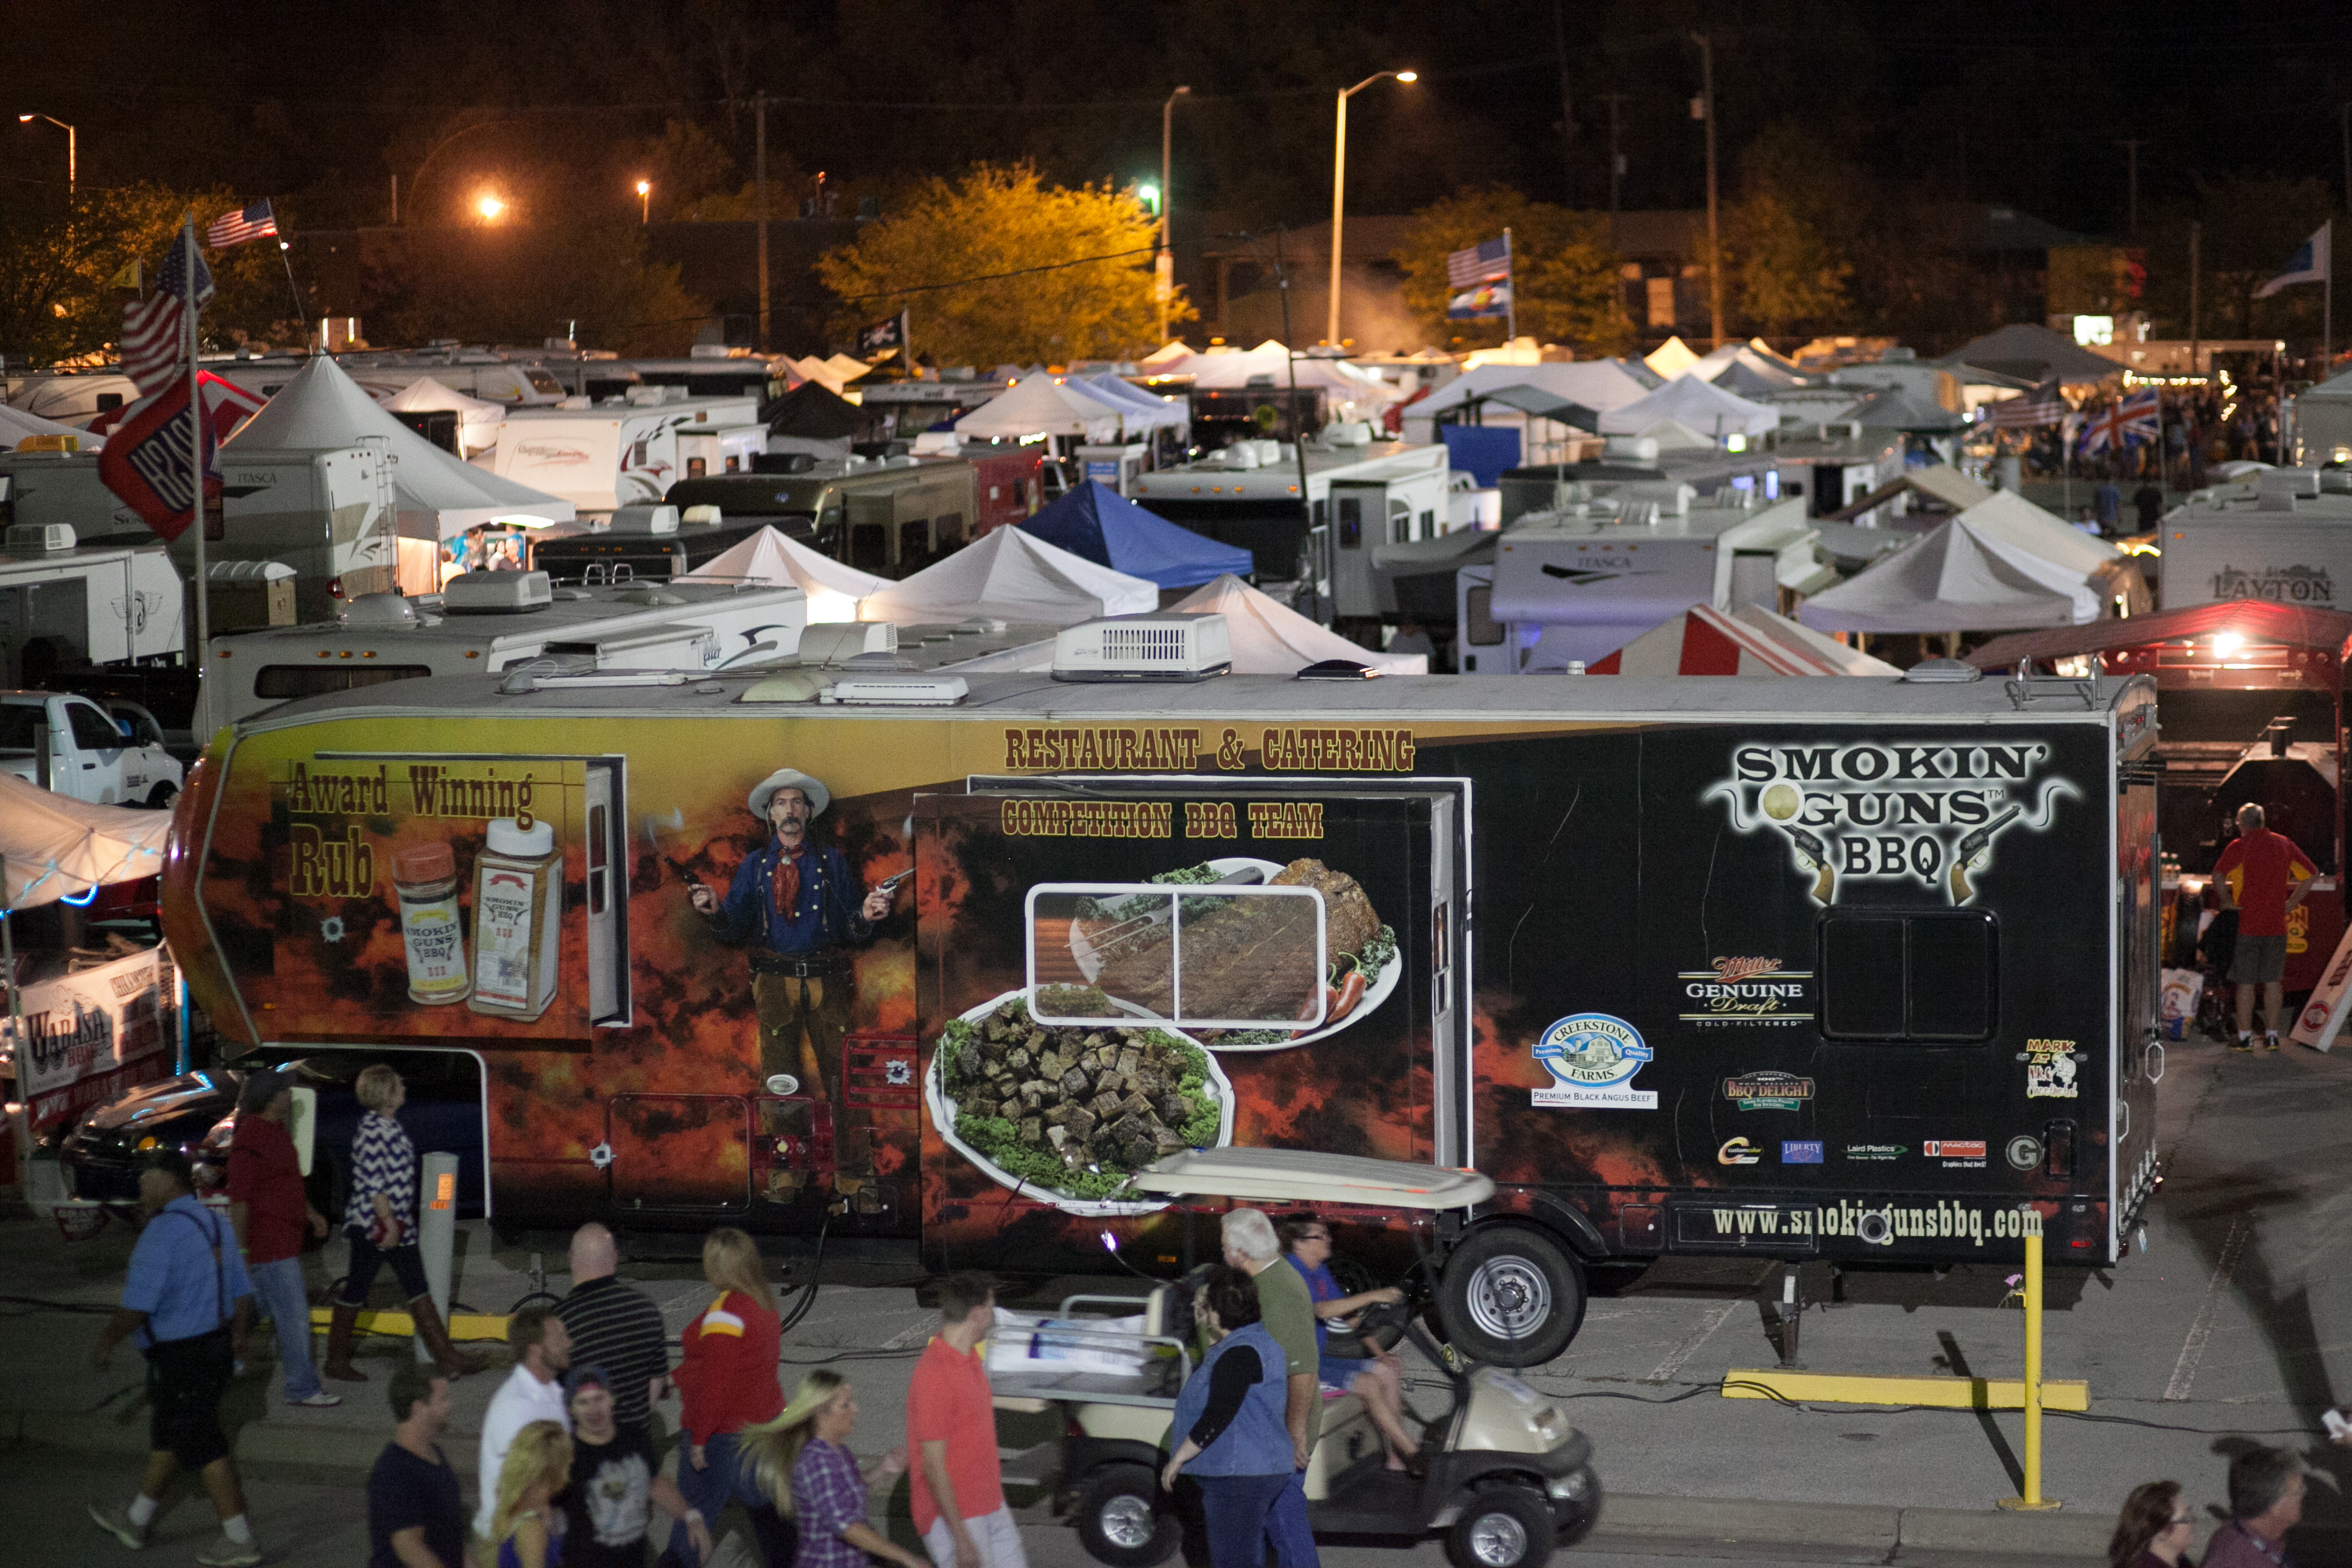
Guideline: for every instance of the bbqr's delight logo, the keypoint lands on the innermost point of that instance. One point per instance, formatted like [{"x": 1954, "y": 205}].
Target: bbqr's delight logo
[
  {"x": 1592, "y": 1057},
  {"x": 1924, "y": 814}
]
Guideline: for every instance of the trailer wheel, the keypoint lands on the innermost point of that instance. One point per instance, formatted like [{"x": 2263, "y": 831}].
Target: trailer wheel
[
  {"x": 1120, "y": 1521},
  {"x": 159, "y": 798},
  {"x": 1511, "y": 1297},
  {"x": 1502, "y": 1527}
]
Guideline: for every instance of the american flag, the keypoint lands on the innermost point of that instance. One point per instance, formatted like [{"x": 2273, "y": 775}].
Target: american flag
[
  {"x": 1486, "y": 262},
  {"x": 246, "y": 223},
  {"x": 154, "y": 328},
  {"x": 2126, "y": 423},
  {"x": 2043, "y": 406}
]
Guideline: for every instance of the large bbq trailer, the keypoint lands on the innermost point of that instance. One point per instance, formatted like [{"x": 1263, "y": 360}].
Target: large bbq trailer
[{"x": 1852, "y": 969}]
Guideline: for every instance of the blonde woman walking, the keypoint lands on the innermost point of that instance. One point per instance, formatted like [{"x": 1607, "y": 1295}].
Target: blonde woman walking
[
  {"x": 801, "y": 1461},
  {"x": 527, "y": 1525}
]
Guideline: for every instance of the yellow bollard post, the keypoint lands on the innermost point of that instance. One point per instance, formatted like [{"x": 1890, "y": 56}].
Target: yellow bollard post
[{"x": 2032, "y": 1501}]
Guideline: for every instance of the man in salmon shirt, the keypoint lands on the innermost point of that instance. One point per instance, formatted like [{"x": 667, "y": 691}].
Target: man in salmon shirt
[
  {"x": 959, "y": 1481},
  {"x": 2263, "y": 876}
]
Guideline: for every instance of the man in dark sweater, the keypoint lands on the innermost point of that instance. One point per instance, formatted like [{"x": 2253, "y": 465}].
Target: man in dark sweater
[{"x": 617, "y": 1327}]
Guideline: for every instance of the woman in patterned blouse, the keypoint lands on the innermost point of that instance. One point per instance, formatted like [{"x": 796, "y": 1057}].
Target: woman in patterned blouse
[
  {"x": 802, "y": 1460},
  {"x": 381, "y": 1222}
]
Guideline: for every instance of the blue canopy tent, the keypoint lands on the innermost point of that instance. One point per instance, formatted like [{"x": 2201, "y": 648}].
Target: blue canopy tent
[{"x": 1097, "y": 522}]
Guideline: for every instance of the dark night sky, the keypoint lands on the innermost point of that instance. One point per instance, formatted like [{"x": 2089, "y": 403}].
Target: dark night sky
[{"x": 319, "y": 104}]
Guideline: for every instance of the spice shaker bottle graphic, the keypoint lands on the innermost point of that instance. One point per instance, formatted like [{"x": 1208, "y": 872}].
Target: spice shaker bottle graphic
[
  {"x": 517, "y": 903},
  {"x": 425, "y": 879}
]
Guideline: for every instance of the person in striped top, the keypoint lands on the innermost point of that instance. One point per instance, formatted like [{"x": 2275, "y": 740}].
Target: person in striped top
[
  {"x": 380, "y": 1221},
  {"x": 616, "y": 1327},
  {"x": 727, "y": 1378}
]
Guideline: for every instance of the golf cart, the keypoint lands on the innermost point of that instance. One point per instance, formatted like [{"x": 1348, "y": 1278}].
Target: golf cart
[{"x": 1504, "y": 1475}]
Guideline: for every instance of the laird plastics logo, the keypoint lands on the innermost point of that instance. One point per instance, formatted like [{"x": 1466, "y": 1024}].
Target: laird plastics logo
[
  {"x": 1912, "y": 814},
  {"x": 2279, "y": 585}
]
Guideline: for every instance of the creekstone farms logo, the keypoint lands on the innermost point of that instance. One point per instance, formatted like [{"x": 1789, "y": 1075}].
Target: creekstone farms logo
[
  {"x": 2279, "y": 585},
  {"x": 1746, "y": 991},
  {"x": 1916, "y": 814},
  {"x": 1592, "y": 1057}
]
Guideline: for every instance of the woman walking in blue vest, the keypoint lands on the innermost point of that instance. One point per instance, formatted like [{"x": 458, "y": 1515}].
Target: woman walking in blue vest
[{"x": 1236, "y": 1445}]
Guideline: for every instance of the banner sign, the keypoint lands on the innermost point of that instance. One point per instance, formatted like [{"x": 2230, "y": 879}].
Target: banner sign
[
  {"x": 87, "y": 1026},
  {"x": 146, "y": 461}
]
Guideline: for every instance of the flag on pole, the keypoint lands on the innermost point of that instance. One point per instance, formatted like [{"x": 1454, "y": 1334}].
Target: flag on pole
[
  {"x": 2043, "y": 406},
  {"x": 1482, "y": 276},
  {"x": 2308, "y": 265},
  {"x": 876, "y": 339},
  {"x": 132, "y": 277},
  {"x": 2129, "y": 422},
  {"x": 154, "y": 328},
  {"x": 145, "y": 460},
  {"x": 255, "y": 222}
]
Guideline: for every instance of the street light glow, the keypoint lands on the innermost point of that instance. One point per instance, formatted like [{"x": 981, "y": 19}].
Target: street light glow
[
  {"x": 489, "y": 206},
  {"x": 645, "y": 188},
  {"x": 1149, "y": 196},
  {"x": 1408, "y": 76}
]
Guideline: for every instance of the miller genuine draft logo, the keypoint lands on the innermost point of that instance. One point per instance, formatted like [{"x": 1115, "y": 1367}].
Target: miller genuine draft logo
[
  {"x": 1746, "y": 991},
  {"x": 1923, "y": 814},
  {"x": 2279, "y": 585}
]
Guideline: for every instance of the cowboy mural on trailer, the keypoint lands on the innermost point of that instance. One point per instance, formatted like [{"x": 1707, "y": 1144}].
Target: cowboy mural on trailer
[{"x": 800, "y": 913}]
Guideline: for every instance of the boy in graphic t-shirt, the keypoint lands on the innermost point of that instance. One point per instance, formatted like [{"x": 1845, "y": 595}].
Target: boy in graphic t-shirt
[{"x": 2263, "y": 876}]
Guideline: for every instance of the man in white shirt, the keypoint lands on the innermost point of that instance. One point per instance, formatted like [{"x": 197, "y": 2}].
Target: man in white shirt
[{"x": 532, "y": 1392}]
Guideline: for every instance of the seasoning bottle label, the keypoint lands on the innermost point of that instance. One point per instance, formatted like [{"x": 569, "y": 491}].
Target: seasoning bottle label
[
  {"x": 504, "y": 959},
  {"x": 436, "y": 948}
]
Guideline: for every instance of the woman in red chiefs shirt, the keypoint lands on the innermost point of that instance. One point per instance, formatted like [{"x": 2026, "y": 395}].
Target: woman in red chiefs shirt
[{"x": 728, "y": 1380}]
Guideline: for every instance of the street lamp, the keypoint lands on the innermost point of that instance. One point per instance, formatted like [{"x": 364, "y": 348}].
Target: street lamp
[
  {"x": 489, "y": 207},
  {"x": 644, "y": 201},
  {"x": 1163, "y": 265},
  {"x": 72, "y": 152},
  {"x": 1339, "y": 183}
]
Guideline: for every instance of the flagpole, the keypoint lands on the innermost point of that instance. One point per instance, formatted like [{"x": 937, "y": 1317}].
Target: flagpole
[
  {"x": 1511, "y": 283},
  {"x": 285, "y": 250},
  {"x": 197, "y": 474}
]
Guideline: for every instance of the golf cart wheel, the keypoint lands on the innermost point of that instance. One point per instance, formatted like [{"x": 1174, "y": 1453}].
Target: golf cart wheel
[
  {"x": 1120, "y": 1521},
  {"x": 1511, "y": 1297},
  {"x": 1502, "y": 1527}
]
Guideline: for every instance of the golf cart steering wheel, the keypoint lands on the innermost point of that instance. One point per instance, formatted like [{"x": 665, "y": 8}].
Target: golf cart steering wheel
[{"x": 1377, "y": 1329}]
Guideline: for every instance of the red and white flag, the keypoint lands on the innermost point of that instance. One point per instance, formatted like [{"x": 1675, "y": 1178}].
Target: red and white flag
[
  {"x": 154, "y": 330},
  {"x": 254, "y": 222}
]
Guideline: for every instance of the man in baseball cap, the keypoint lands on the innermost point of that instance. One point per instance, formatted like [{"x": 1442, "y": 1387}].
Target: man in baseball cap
[{"x": 796, "y": 907}]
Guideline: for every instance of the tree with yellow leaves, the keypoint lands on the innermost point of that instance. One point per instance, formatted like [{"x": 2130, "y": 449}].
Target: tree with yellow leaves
[{"x": 1000, "y": 267}]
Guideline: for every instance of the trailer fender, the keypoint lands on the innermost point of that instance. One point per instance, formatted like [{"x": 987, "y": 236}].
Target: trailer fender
[{"x": 1569, "y": 1225}]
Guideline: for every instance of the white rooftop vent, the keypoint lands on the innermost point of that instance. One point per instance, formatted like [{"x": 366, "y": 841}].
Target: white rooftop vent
[
  {"x": 377, "y": 609},
  {"x": 39, "y": 538},
  {"x": 700, "y": 516},
  {"x": 496, "y": 593},
  {"x": 653, "y": 518},
  {"x": 1153, "y": 647},
  {"x": 899, "y": 691},
  {"x": 1349, "y": 433}
]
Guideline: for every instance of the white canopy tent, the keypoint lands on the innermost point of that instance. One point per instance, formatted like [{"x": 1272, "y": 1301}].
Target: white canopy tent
[
  {"x": 1351, "y": 392},
  {"x": 770, "y": 557},
  {"x": 1038, "y": 406},
  {"x": 1704, "y": 407},
  {"x": 17, "y": 426},
  {"x": 1671, "y": 358},
  {"x": 54, "y": 846},
  {"x": 1143, "y": 410},
  {"x": 1269, "y": 638},
  {"x": 1010, "y": 575},
  {"x": 322, "y": 409},
  {"x": 478, "y": 423},
  {"x": 1747, "y": 639},
  {"x": 1599, "y": 385},
  {"x": 1738, "y": 368},
  {"x": 2004, "y": 564}
]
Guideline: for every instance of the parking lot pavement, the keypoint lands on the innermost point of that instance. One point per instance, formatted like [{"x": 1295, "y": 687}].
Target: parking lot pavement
[{"x": 2230, "y": 1328}]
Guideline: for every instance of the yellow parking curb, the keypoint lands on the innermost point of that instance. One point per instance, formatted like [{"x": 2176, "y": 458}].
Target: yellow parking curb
[
  {"x": 1941, "y": 1392},
  {"x": 400, "y": 1325}
]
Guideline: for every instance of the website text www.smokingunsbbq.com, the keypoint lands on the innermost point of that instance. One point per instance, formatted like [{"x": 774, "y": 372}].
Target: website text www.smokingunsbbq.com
[{"x": 1881, "y": 1224}]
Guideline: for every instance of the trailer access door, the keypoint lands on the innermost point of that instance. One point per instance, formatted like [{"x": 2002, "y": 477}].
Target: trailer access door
[{"x": 1324, "y": 982}]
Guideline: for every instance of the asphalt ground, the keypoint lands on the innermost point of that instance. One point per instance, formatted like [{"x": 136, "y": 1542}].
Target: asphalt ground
[{"x": 2230, "y": 1328}]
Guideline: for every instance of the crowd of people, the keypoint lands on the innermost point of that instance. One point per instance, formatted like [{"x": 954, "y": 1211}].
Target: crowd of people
[{"x": 570, "y": 1468}]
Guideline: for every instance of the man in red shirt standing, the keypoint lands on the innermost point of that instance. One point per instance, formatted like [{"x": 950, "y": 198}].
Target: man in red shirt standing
[
  {"x": 959, "y": 1481},
  {"x": 2263, "y": 876},
  {"x": 270, "y": 1210}
]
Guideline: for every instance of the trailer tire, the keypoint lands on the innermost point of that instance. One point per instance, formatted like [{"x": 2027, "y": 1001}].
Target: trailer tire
[
  {"x": 159, "y": 798},
  {"x": 1502, "y": 1527},
  {"x": 1120, "y": 1521},
  {"x": 1511, "y": 1296}
]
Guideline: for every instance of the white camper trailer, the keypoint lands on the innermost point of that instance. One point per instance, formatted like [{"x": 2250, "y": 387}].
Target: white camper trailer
[
  {"x": 332, "y": 516},
  {"x": 66, "y": 603},
  {"x": 615, "y": 454}
]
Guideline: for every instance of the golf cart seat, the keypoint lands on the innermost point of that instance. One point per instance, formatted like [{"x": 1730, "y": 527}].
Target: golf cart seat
[{"x": 1348, "y": 1436}]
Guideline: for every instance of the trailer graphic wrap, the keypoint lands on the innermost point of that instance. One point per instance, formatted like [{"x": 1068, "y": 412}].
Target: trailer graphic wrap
[
  {"x": 1585, "y": 956},
  {"x": 1910, "y": 812}
]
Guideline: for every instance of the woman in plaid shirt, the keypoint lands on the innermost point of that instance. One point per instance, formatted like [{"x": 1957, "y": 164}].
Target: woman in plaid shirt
[{"x": 802, "y": 1460}]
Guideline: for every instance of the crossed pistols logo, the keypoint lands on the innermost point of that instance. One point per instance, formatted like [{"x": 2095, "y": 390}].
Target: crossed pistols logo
[{"x": 1923, "y": 812}]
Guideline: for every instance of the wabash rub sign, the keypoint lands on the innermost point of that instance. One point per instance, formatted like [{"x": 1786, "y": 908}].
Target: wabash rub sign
[{"x": 1924, "y": 814}]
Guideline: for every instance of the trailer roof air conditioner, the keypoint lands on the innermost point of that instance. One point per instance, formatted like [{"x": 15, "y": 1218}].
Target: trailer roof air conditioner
[
  {"x": 1153, "y": 646},
  {"x": 496, "y": 592}
]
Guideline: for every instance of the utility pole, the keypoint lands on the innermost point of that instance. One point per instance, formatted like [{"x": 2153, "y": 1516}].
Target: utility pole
[
  {"x": 1616, "y": 160},
  {"x": 2195, "y": 235},
  {"x": 1714, "y": 228},
  {"x": 1567, "y": 105},
  {"x": 1163, "y": 265},
  {"x": 759, "y": 179},
  {"x": 2345, "y": 118},
  {"x": 2131, "y": 149}
]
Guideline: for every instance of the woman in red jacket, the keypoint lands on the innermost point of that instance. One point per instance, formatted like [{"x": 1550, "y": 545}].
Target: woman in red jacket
[{"x": 729, "y": 1381}]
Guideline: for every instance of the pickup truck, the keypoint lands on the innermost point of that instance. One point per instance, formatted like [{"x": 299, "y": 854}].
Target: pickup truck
[{"x": 92, "y": 755}]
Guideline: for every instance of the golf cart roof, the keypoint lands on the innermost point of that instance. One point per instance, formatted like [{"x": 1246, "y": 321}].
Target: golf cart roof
[{"x": 1303, "y": 1176}]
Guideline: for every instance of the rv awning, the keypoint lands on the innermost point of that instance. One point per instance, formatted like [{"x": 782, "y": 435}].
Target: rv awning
[
  {"x": 54, "y": 847},
  {"x": 2256, "y": 620}
]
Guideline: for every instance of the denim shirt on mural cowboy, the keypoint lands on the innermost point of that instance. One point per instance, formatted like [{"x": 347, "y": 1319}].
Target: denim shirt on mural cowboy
[{"x": 763, "y": 908}]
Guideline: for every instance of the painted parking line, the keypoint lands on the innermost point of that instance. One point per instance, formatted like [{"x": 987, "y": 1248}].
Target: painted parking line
[
  {"x": 2193, "y": 1348},
  {"x": 1664, "y": 1371}
]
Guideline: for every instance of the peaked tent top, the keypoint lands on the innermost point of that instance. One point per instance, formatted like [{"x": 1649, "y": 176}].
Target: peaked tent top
[
  {"x": 2031, "y": 351},
  {"x": 1012, "y": 576},
  {"x": 1269, "y": 638},
  {"x": 1098, "y": 524},
  {"x": 1951, "y": 581},
  {"x": 1597, "y": 384},
  {"x": 1738, "y": 367},
  {"x": 15, "y": 425},
  {"x": 1671, "y": 358},
  {"x": 1035, "y": 405},
  {"x": 440, "y": 495},
  {"x": 425, "y": 395},
  {"x": 768, "y": 556},
  {"x": 1704, "y": 407},
  {"x": 1143, "y": 410},
  {"x": 818, "y": 412}
]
